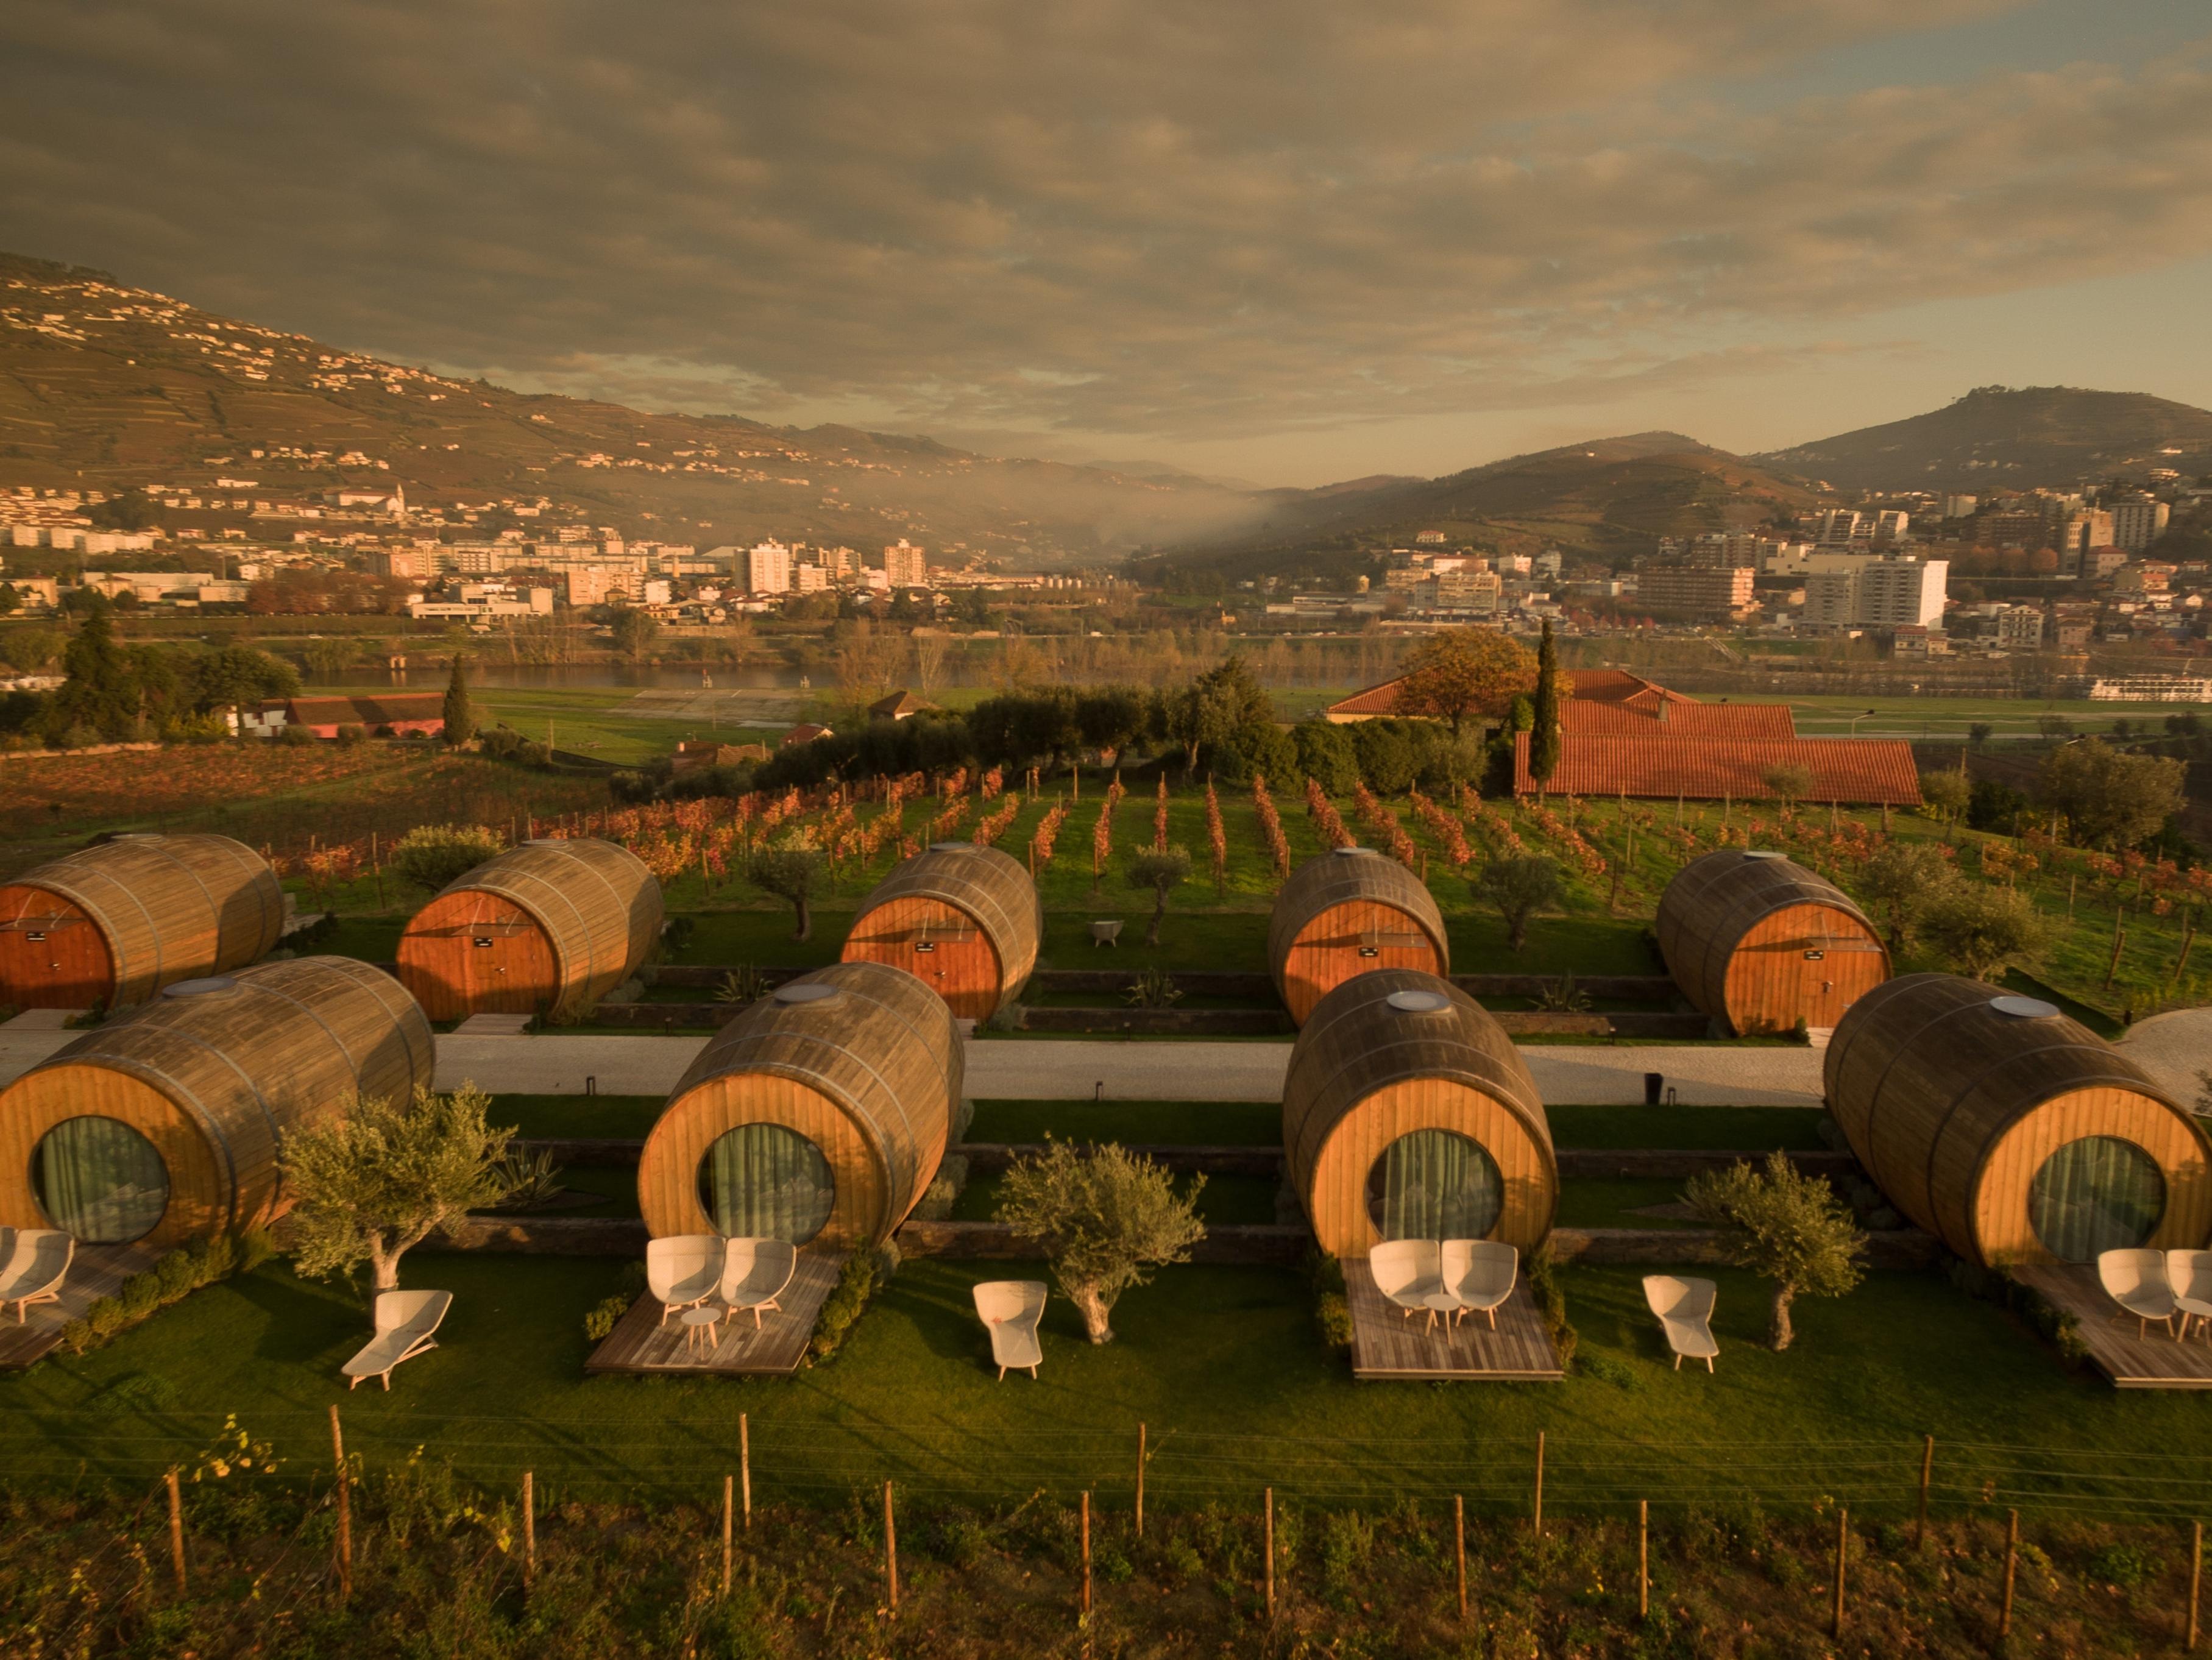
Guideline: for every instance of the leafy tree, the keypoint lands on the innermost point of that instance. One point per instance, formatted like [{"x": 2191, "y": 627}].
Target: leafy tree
[
  {"x": 1162, "y": 872},
  {"x": 1907, "y": 877},
  {"x": 1991, "y": 805},
  {"x": 1109, "y": 718},
  {"x": 1979, "y": 733},
  {"x": 374, "y": 1182},
  {"x": 1465, "y": 674},
  {"x": 1102, "y": 1219},
  {"x": 30, "y": 648},
  {"x": 1946, "y": 794},
  {"x": 460, "y": 714},
  {"x": 2111, "y": 799},
  {"x": 1517, "y": 889},
  {"x": 633, "y": 632},
  {"x": 1982, "y": 930},
  {"x": 1545, "y": 718},
  {"x": 1786, "y": 1227},
  {"x": 1219, "y": 703},
  {"x": 232, "y": 676},
  {"x": 99, "y": 693},
  {"x": 432, "y": 855},
  {"x": 2055, "y": 728},
  {"x": 792, "y": 868},
  {"x": 10, "y": 601},
  {"x": 1263, "y": 748},
  {"x": 1325, "y": 754},
  {"x": 1787, "y": 784},
  {"x": 1388, "y": 759}
]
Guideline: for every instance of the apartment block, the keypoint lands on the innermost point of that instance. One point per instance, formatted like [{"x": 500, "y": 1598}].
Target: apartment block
[
  {"x": 906, "y": 566},
  {"x": 1719, "y": 595},
  {"x": 767, "y": 567},
  {"x": 2138, "y": 522}
]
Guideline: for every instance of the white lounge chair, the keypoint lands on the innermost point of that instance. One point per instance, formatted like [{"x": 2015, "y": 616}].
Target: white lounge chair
[
  {"x": 33, "y": 1262},
  {"x": 682, "y": 1270},
  {"x": 1479, "y": 1273},
  {"x": 404, "y": 1322},
  {"x": 755, "y": 1273},
  {"x": 1011, "y": 1310},
  {"x": 1685, "y": 1308},
  {"x": 1410, "y": 1272},
  {"x": 2136, "y": 1280},
  {"x": 2189, "y": 1274}
]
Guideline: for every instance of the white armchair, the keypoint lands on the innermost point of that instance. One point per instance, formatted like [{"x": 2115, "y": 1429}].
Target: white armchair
[
  {"x": 1479, "y": 1275},
  {"x": 2136, "y": 1280}
]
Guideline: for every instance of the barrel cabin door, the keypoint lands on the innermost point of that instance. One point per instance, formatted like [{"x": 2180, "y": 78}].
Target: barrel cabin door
[
  {"x": 1807, "y": 963},
  {"x": 1347, "y": 940},
  {"x": 474, "y": 952},
  {"x": 937, "y": 944},
  {"x": 51, "y": 954}
]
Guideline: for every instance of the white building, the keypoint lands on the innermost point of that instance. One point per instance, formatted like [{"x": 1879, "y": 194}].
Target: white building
[
  {"x": 809, "y": 579},
  {"x": 2139, "y": 522},
  {"x": 2019, "y": 628},
  {"x": 906, "y": 566},
  {"x": 1878, "y": 593},
  {"x": 767, "y": 567}
]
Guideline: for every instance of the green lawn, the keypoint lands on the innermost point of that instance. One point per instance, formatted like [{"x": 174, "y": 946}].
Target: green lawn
[
  {"x": 1793, "y": 1128},
  {"x": 1615, "y": 1202},
  {"x": 1217, "y": 1123},
  {"x": 1222, "y": 1365}
]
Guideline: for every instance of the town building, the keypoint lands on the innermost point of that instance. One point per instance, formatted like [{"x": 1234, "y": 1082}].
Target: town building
[
  {"x": 2019, "y": 628},
  {"x": 2138, "y": 521},
  {"x": 906, "y": 566},
  {"x": 767, "y": 567},
  {"x": 1718, "y": 595}
]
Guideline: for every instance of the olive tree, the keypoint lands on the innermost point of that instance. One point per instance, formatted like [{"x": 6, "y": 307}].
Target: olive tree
[
  {"x": 431, "y": 855},
  {"x": 1162, "y": 870},
  {"x": 1103, "y": 1217},
  {"x": 1786, "y": 1227},
  {"x": 2110, "y": 798},
  {"x": 374, "y": 1181},
  {"x": 1947, "y": 795},
  {"x": 1907, "y": 877},
  {"x": 1787, "y": 784},
  {"x": 1517, "y": 889},
  {"x": 791, "y": 868},
  {"x": 1982, "y": 930}
]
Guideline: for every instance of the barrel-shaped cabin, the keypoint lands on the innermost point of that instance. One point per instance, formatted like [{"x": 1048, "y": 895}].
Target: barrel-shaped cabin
[
  {"x": 548, "y": 927},
  {"x": 818, "y": 1115},
  {"x": 963, "y": 919},
  {"x": 2010, "y": 1132},
  {"x": 110, "y": 925},
  {"x": 1351, "y": 911},
  {"x": 166, "y": 1124},
  {"x": 1407, "y": 1114},
  {"x": 1760, "y": 942}
]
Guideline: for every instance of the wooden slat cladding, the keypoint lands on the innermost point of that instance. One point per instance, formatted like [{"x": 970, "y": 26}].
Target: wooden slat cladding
[
  {"x": 1953, "y": 1105},
  {"x": 1759, "y": 942},
  {"x": 963, "y": 919},
  {"x": 215, "y": 1079},
  {"x": 552, "y": 925},
  {"x": 871, "y": 1077},
  {"x": 1363, "y": 1073},
  {"x": 113, "y": 924},
  {"x": 1350, "y": 912}
]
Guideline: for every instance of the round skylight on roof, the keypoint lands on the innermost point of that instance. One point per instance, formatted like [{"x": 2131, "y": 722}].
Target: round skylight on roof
[
  {"x": 1351, "y": 852},
  {"x": 1419, "y": 1002},
  {"x": 1763, "y": 853},
  {"x": 213, "y": 986},
  {"x": 2024, "y": 1008},
  {"x": 808, "y": 992},
  {"x": 952, "y": 847}
]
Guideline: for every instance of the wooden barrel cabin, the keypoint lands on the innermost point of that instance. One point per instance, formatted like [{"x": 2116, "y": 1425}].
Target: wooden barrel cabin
[
  {"x": 818, "y": 1115},
  {"x": 549, "y": 927},
  {"x": 1407, "y": 1114},
  {"x": 110, "y": 925},
  {"x": 1760, "y": 942},
  {"x": 2011, "y": 1133},
  {"x": 963, "y": 919},
  {"x": 165, "y": 1125},
  {"x": 1350, "y": 912}
]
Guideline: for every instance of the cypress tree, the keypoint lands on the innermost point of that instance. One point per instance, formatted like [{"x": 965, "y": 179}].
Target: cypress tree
[
  {"x": 1544, "y": 736},
  {"x": 100, "y": 695},
  {"x": 460, "y": 714}
]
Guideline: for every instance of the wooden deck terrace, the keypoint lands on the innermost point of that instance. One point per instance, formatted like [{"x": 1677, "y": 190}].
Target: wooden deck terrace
[
  {"x": 2153, "y": 1361},
  {"x": 1386, "y": 1344},
  {"x": 642, "y": 1346},
  {"x": 96, "y": 1271}
]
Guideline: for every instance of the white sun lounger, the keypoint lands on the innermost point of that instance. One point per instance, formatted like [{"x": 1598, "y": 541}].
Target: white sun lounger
[
  {"x": 2136, "y": 1280},
  {"x": 1685, "y": 1308},
  {"x": 1410, "y": 1272},
  {"x": 683, "y": 1270},
  {"x": 33, "y": 1262},
  {"x": 1011, "y": 1310},
  {"x": 1479, "y": 1275},
  {"x": 755, "y": 1273},
  {"x": 404, "y": 1322}
]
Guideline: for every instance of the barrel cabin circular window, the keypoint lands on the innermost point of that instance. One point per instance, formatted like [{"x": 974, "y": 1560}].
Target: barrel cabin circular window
[
  {"x": 2095, "y": 1194},
  {"x": 99, "y": 1180},
  {"x": 765, "y": 1181},
  {"x": 1435, "y": 1184}
]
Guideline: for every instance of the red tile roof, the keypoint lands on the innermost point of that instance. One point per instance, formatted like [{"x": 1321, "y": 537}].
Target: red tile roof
[
  {"x": 806, "y": 733},
  {"x": 1607, "y": 686},
  {"x": 1659, "y": 712},
  {"x": 376, "y": 710},
  {"x": 1855, "y": 771},
  {"x": 1375, "y": 700}
]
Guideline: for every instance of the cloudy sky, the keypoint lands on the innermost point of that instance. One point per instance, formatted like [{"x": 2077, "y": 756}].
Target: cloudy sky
[{"x": 1288, "y": 240}]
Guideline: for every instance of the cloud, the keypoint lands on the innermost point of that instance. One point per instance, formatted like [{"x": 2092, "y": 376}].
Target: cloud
[{"x": 1126, "y": 217}]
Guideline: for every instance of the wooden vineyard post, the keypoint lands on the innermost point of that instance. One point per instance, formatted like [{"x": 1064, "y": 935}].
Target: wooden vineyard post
[
  {"x": 1140, "y": 1480},
  {"x": 1539, "y": 1514},
  {"x": 345, "y": 1496},
  {"x": 891, "y": 1552},
  {"x": 729, "y": 1529},
  {"x": 2011, "y": 1571},
  {"x": 745, "y": 1468},
  {"x": 2119, "y": 939},
  {"x": 528, "y": 1529},
  {"x": 1644, "y": 1558},
  {"x": 2196, "y": 1578},
  {"x": 2188, "y": 940},
  {"x": 1267, "y": 1543},
  {"x": 1459, "y": 1549},
  {"x": 1843, "y": 1556},
  {"x": 1086, "y": 1556},
  {"x": 176, "y": 1530},
  {"x": 1927, "y": 1469}
]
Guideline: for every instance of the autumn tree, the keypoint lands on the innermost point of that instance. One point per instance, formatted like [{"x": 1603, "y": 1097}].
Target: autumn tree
[
  {"x": 1465, "y": 674},
  {"x": 2111, "y": 799}
]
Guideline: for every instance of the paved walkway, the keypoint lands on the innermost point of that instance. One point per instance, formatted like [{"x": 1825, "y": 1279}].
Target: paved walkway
[{"x": 2173, "y": 1048}]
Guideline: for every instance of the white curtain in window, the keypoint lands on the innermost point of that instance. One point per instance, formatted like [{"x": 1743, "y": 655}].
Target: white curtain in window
[
  {"x": 1435, "y": 1184},
  {"x": 2096, "y": 1195},
  {"x": 100, "y": 1180},
  {"x": 765, "y": 1181}
]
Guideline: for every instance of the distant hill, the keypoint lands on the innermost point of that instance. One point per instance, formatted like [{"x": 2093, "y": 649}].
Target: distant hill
[
  {"x": 1996, "y": 437},
  {"x": 1606, "y": 497},
  {"x": 106, "y": 385}
]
